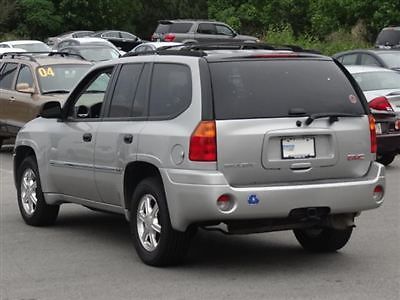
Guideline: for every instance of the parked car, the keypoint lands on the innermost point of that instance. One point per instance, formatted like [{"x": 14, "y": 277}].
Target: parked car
[
  {"x": 388, "y": 38},
  {"x": 53, "y": 41},
  {"x": 371, "y": 57},
  {"x": 195, "y": 31},
  {"x": 27, "y": 45},
  {"x": 11, "y": 50},
  {"x": 381, "y": 88},
  {"x": 27, "y": 81},
  {"x": 93, "y": 53},
  {"x": 121, "y": 39},
  {"x": 86, "y": 41},
  {"x": 236, "y": 141},
  {"x": 152, "y": 46}
]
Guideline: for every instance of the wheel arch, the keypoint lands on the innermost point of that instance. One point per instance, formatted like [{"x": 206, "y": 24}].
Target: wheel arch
[
  {"x": 134, "y": 173},
  {"x": 20, "y": 153}
]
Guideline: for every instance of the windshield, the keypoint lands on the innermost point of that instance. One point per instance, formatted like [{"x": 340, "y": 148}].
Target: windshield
[
  {"x": 271, "y": 88},
  {"x": 60, "y": 78},
  {"x": 371, "y": 81},
  {"x": 392, "y": 59},
  {"x": 36, "y": 47},
  {"x": 98, "y": 54}
]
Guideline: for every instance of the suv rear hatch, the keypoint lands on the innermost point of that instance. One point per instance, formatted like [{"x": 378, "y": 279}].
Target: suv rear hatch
[
  {"x": 262, "y": 107},
  {"x": 389, "y": 37},
  {"x": 168, "y": 31}
]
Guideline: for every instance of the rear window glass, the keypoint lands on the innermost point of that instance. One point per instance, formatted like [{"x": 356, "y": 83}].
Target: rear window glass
[
  {"x": 371, "y": 81},
  {"x": 269, "y": 89},
  {"x": 388, "y": 37},
  {"x": 392, "y": 59}
]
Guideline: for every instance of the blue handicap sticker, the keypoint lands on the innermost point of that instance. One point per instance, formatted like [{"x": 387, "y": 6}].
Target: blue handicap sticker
[{"x": 253, "y": 200}]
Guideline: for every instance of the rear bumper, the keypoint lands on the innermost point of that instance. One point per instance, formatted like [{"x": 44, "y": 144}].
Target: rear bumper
[
  {"x": 192, "y": 195},
  {"x": 388, "y": 143}
]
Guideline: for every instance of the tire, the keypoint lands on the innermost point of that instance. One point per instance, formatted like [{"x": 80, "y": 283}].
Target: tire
[
  {"x": 386, "y": 159},
  {"x": 161, "y": 245},
  {"x": 323, "y": 240},
  {"x": 32, "y": 206}
]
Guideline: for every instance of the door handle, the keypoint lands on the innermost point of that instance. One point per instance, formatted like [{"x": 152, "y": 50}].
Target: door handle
[
  {"x": 87, "y": 137},
  {"x": 128, "y": 138},
  {"x": 11, "y": 99}
]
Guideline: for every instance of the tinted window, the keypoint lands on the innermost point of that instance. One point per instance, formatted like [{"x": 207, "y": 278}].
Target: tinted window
[
  {"x": 139, "y": 104},
  {"x": 25, "y": 76},
  {"x": 265, "y": 89},
  {"x": 7, "y": 76},
  {"x": 350, "y": 59},
  {"x": 223, "y": 30},
  {"x": 369, "y": 60},
  {"x": 180, "y": 27},
  {"x": 124, "y": 93},
  {"x": 207, "y": 28},
  {"x": 111, "y": 34},
  {"x": 388, "y": 37},
  {"x": 162, "y": 28},
  {"x": 171, "y": 90}
]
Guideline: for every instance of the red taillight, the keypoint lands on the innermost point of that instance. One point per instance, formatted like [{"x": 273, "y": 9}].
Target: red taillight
[
  {"x": 203, "y": 142},
  {"x": 380, "y": 103},
  {"x": 372, "y": 131},
  {"x": 169, "y": 37}
]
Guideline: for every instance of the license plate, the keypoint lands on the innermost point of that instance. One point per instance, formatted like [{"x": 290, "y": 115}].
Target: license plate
[
  {"x": 378, "y": 128},
  {"x": 298, "y": 147}
]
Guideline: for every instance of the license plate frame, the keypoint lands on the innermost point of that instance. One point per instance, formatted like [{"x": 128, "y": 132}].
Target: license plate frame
[{"x": 298, "y": 147}]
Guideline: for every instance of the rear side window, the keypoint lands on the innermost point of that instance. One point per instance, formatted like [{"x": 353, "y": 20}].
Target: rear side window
[
  {"x": 124, "y": 93},
  {"x": 180, "y": 27},
  {"x": 207, "y": 28},
  {"x": 171, "y": 90},
  {"x": 350, "y": 59},
  {"x": 269, "y": 89},
  {"x": 7, "y": 76}
]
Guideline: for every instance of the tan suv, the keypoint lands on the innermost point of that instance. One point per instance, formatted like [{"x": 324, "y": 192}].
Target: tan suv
[{"x": 27, "y": 80}]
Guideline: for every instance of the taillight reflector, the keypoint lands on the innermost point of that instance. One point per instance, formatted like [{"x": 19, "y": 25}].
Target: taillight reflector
[
  {"x": 380, "y": 103},
  {"x": 203, "y": 142},
  {"x": 169, "y": 37},
  {"x": 372, "y": 131}
]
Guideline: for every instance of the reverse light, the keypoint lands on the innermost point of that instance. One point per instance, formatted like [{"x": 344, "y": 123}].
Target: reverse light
[
  {"x": 225, "y": 203},
  {"x": 169, "y": 37},
  {"x": 372, "y": 132},
  {"x": 397, "y": 125},
  {"x": 378, "y": 193},
  {"x": 203, "y": 142},
  {"x": 380, "y": 103}
]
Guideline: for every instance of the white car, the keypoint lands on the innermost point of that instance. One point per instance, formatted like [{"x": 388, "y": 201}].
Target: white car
[
  {"x": 11, "y": 50},
  {"x": 27, "y": 45},
  {"x": 86, "y": 41},
  {"x": 151, "y": 46}
]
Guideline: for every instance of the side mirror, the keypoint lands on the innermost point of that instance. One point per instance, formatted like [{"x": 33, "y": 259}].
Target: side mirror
[
  {"x": 25, "y": 88},
  {"x": 51, "y": 110}
]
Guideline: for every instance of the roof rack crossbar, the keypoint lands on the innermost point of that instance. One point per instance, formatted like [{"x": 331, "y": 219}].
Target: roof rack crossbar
[{"x": 31, "y": 55}]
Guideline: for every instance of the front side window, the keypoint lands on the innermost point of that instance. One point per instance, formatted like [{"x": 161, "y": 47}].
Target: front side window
[
  {"x": 88, "y": 104},
  {"x": 25, "y": 76},
  {"x": 171, "y": 90},
  {"x": 7, "y": 76},
  {"x": 111, "y": 34},
  {"x": 223, "y": 30},
  {"x": 350, "y": 59},
  {"x": 125, "y": 89}
]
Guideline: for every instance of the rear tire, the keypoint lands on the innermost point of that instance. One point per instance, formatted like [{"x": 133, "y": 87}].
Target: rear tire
[
  {"x": 324, "y": 239},
  {"x": 33, "y": 208},
  {"x": 386, "y": 159},
  {"x": 156, "y": 242}
]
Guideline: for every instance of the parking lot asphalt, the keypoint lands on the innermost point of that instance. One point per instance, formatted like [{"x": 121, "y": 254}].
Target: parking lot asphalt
[{"x": 89, "y": 255}]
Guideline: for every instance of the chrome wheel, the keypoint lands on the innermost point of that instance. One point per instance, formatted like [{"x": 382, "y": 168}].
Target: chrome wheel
[
  {"x": 28, "y": 191},
  {"x": 148, "y": 224}
]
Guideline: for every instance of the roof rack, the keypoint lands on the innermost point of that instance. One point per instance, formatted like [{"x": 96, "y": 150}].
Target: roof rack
[
  {"x": 33, "y": 55},
  {"x": 200, "y": 49}
]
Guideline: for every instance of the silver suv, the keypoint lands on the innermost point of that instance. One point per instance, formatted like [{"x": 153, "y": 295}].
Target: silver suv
[{"x": 241, "y": 141}]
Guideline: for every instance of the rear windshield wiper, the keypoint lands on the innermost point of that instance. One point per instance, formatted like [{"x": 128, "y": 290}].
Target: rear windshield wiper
[
  {"x": 55, "y": 92},
  {"x": 333, "y": 116}
]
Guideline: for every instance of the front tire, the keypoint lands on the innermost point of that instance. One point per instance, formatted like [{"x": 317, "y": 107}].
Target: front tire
[
  {"x": 324, "y": 239},
  {"x": 33, "y": 208},
  {"x": 156, "y": 242}
]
